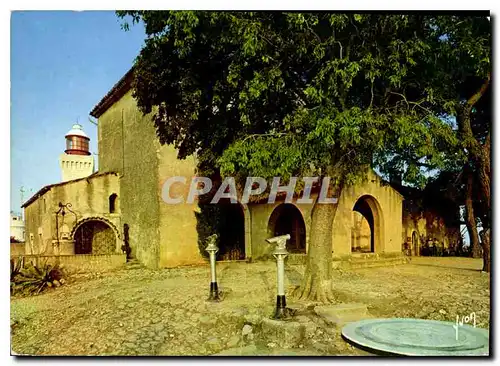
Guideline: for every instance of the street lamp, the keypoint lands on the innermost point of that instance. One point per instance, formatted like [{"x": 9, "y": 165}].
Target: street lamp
[
  {"x": 280, "y": 254},
  {"x": 62, "y": 212},
  {"x": 212, "y": 249}
]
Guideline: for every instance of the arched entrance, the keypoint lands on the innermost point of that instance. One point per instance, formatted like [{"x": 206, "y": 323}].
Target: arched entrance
[
  {"x": 231, "y": 227},
  {"x": 415, "y": 247},
  {"x": 287, "y": 219},
  {"x": 94, "y": 237},
  {"x": 366, "y": 234}
]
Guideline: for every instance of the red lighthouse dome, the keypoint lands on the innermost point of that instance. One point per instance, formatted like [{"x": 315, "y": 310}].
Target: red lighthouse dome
[{"x": 77, "y": 141}]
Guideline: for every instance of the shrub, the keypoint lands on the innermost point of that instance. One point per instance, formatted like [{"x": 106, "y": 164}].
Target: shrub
[{"x": 33, "y": 279}]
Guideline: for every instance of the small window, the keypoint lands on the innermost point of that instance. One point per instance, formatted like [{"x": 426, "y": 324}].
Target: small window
[{"x": 112, "y": 203}]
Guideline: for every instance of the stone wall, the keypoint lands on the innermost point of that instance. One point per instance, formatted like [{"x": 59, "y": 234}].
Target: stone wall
[
  {"x": 40, "y": 224},
  {"x": 81, "y": 263},
  {"x": 128, "y": 144},
  {"x": 17, "y": 249},
  {"x": 428, "y": 225},
  {"x": 387, "y": 206},
  {"x": 387, "y": 209},
  {"x": 178, "y": 230},
  {"x": 260, "y": 215},
  {"x": 89, "y": 197}
]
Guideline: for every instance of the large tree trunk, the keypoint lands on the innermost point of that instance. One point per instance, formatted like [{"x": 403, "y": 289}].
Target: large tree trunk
[
  {"x": 485, "y": 236},
  {"x": 479, "y": 154},
  {"x": 470, "y": 218},
  {"x": 316, "y": 284}
]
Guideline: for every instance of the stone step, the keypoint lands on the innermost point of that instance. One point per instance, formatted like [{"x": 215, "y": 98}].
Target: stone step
[
  {"x": 369, "y": 263},
  {"x": 339, "y": 315},
  {"x": 355, "y": 261},
  {"x": 133, "y": 264}
]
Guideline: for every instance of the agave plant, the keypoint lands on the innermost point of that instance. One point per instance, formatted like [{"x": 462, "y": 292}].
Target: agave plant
[
  {"x": 34, "y": 279},
  {"x": 15, "y": 270}
]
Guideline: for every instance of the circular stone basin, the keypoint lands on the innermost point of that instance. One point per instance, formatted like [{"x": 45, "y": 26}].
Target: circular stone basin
[{"x": 418, "y": 337}]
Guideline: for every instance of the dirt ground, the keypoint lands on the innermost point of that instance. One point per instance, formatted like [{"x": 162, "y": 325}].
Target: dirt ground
[{"x": 137, "y": 311}]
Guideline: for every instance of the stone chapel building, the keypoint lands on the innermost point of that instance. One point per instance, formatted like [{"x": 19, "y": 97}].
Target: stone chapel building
[{"x": 121, "y": 205}]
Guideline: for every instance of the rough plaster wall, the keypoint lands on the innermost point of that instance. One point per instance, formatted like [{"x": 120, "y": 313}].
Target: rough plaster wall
[
  {"x": 88, "y": 197},
  {"x": 261, "y": 213},
  {"x": 429, "y": 225},
  {"x": 38, "y": 221},
  {"x": 178, "y": 235},
  {"x": 390, "y": 204},
  {"x": 136, "y": 159}
]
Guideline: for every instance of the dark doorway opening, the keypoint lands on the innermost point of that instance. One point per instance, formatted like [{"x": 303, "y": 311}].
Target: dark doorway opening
[
  {"x": 231, "y": 228},
  {"x": 362, "y": 238},
  {"x": 287, "y": 219}
]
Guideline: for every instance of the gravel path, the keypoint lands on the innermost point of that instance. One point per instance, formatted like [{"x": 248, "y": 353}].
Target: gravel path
[{"x": 136, "y": 311}]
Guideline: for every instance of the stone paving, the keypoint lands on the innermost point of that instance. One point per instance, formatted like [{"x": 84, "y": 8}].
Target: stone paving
[{"x": 136, "y": 311}]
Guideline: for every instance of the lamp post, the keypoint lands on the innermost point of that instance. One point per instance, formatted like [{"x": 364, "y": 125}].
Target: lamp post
[
  {"x": 212, "y": 249},
  {"x": 62, "y": 212},
  {"x": 280, "y": 254}
]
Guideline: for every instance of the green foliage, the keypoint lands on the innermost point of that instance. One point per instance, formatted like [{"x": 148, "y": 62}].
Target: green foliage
[
  {"x": 32, "y": 279},
  {"x": 281, "y": 94}
]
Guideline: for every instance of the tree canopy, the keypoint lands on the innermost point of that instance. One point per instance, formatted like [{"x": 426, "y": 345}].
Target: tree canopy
[
  {"x": 315, "y": 94},
  {"x": 278, "y": 93}
]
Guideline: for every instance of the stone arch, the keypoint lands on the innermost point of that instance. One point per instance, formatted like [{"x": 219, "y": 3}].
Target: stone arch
[
  {"x": 95, "y": 235},
  {"x": 370, "y": 209},
  {"x": 287, "y": 218}
]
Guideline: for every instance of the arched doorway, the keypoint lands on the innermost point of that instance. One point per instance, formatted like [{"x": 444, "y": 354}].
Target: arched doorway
[
  {"x": 287, "y": 219},
  {"x": 231, "y": 228},
  {"x": 415, "y": 248},
  {"x": 94, "y": 237},
  {"x": 366, "y": 234}
]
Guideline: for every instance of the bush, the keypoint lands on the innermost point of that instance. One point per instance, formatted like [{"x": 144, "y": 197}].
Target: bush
[{"x": 32, "y": 280}]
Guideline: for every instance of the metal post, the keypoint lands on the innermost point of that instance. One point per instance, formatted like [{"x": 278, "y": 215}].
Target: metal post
[
  {"x": 280, "y": 253},
  {"x": 212, "y": 250}
]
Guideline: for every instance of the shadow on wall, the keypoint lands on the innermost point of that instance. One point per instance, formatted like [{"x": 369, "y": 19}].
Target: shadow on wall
[{"x": 126, "y": 242}]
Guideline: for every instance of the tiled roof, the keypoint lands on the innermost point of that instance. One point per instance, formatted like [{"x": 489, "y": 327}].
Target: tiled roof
[
  {"x": 117, "y": 91},
  {"x": 47, "y": 188}
]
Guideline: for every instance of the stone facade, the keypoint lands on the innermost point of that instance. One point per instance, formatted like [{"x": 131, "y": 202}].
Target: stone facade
[
  {"x": 133, "y": 166},
  {"x": 89, "y": 198},
  {"x": 162, "y": 235},
  {"x": 384, "y": 202},
  {"x": 425, "y": 227}
]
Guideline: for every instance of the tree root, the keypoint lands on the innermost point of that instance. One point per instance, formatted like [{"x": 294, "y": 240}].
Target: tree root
[{"x": 315, "y": 290}]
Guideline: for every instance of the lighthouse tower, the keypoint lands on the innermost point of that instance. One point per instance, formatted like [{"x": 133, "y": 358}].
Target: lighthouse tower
[{"x": 76, "y": 162}]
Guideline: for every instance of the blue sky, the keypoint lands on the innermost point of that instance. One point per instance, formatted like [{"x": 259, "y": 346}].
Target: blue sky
[{"x": 62, "y": 64}]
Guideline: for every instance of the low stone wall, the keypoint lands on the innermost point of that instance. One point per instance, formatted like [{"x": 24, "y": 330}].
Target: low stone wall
[
  {"x": 345, "y": 260},
  {"x": 79, "y": 263},
  {"x": 17, "y": 249}
]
